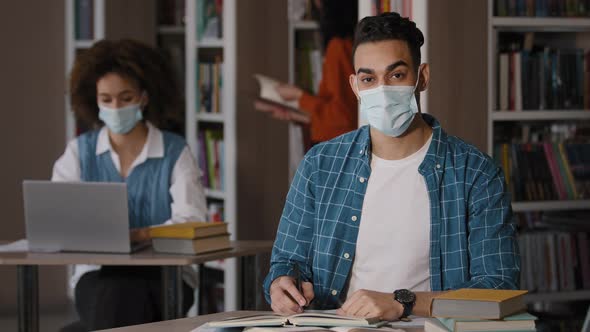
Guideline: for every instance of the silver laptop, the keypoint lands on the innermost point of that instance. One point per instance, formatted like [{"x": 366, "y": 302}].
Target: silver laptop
[{"x": 81, "y": 216}]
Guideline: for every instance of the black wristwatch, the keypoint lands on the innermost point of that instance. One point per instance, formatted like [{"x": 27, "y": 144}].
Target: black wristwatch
[{"x": 407, "y": 299}]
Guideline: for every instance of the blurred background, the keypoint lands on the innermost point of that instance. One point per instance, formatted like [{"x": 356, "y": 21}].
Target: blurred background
[{"x": 509, "y": 76}]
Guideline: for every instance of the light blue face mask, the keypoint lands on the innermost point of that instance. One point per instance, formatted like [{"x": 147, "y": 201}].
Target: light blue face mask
[
  {"x": 388, "y": 108},
  {"x": 120, "y": 120}
]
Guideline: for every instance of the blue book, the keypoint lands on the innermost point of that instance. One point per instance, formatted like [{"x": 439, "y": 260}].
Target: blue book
[{"x": 518, "y": 322}]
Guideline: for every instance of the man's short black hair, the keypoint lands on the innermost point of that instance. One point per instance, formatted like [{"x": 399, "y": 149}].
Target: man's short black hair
[{"x": 390, "y": 26}]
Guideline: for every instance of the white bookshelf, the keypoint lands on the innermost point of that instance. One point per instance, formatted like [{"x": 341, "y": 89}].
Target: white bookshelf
[
  {"x": 227, "y": 118},
  {"x": 551, "y": 205},
  {"x": 495, "y": 117},
  {"x": 73, "y": 45},
  {"x": 171, "y": 30},
  {"x": 540, "y": 115},
  {"x": 580, "y": 295}
]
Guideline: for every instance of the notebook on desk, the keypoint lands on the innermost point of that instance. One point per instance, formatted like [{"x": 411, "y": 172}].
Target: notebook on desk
[{"x": 80, "y": 216}]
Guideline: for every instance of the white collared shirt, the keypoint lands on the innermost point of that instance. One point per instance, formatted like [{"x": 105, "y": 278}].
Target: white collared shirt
[{"x": 188, "y": 196}]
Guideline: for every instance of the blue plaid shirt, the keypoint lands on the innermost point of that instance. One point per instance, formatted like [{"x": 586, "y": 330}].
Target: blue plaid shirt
[{"x": 472, "y": 241}]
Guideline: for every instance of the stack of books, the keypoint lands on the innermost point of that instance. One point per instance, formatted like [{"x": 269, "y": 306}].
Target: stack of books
[
  {"x": 191, "y": 238},
  {"x": 480, "y": 310}
]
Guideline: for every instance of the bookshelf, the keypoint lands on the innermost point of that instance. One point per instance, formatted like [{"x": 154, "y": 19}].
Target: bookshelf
[
  {"x": 524, "y": 111},
  {"x": 85, "y": 24},
  {"x": 199, "y": 48}
]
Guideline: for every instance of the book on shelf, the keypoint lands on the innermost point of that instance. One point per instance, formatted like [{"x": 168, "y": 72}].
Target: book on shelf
[
  {"x": 209, "y": 19},
  {"x": 191, "y": 246},
  {"x": 84, "y": 19},
  {"x": 517, "y": 322},
  {"x": 542, "y": 8},
  {"x": 546, "y": 171},
  {"x": 480, "y": 303},
  {"x": 555, "y": 261},
  {"x": 210, "y": 85},
  {"x": 215, "y": 212},
  {"x": 539, "y": 77},
  {"x": 305, "y": 319},
  {"x": 188, "y": 230},
  {"x": 403, "y": 7},
  {"x": 211, "y": 158},
  {"x": 303, "y": 10}
]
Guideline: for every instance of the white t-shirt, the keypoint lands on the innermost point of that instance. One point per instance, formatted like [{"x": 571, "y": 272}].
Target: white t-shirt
[{"x": 393, "y": 244}]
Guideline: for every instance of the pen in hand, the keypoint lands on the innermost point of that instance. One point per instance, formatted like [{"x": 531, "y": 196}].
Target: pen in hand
[{"x": 298, "y": 281}]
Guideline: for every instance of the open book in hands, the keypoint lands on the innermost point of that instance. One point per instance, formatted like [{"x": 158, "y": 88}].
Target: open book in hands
[
  {"x": 304, "y": 319},
  {"x": 269, "y": 94}
]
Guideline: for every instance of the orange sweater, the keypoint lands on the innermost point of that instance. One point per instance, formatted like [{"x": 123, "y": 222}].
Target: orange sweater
[{"x": 333, "y": 111}]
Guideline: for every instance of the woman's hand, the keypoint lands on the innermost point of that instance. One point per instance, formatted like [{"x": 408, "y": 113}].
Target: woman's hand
[
  {"x": 139, "y": 235},
  {"x": 281, "y": 113},
  {"x": 289, "y": 92}
]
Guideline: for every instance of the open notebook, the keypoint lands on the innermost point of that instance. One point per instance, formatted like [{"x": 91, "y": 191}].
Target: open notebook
[{"x": 304, "y": 319}]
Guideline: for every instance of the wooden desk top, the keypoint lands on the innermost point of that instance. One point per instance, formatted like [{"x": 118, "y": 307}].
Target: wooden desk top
[
  {"x": 188, "y": 324},
  {"x": 143, "y": 257}
]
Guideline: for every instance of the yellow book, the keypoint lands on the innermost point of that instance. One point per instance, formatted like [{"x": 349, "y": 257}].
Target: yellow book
[
  {"x": 478, "y": 303},
  {"x": 189, "y": 230},
  {"x": 568, "y": 170}
]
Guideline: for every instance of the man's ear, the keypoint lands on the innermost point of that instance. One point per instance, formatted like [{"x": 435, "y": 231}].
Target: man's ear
[
  {"x": 424, "y": 77},
  {"x": 353, "y": 85}
]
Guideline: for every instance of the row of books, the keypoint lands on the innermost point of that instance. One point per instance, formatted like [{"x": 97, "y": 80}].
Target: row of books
[
  {"x": 303, "y": 10},
  {"x": 193, "y": 238},
  {"x": 309, "y": 65},
  {"x": 209, "y": 19},
  {"x": 542, "y": 8},
  {"x": 210, "y": 85},
  {"x": 546, "y": 171},
  {"x": 403, "y": 7},
  {"x": 211, "y": 158},
  {"x": 171, "y": 12},
  {"x": 84, "y": 19},
  {"x": 544, "y": 79},
  {"x": 554, "y": 261}
]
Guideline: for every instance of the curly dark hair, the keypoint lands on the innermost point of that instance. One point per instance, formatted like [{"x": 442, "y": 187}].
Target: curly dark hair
[
  {"x": 390, "y": 26},
  {"x": 135, "y": 61}
]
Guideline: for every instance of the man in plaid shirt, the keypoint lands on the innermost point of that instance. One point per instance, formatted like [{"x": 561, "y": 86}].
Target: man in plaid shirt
[{"x": 380, "y": 220}]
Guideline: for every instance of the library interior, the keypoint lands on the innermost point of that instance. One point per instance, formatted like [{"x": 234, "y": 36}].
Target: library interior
[{"x": 198, "y": 165}]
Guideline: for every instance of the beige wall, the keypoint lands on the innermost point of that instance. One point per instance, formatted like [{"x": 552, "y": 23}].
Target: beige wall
[
  {"x": 32, "y": 127},
  {"x": 457, "y": 42}
]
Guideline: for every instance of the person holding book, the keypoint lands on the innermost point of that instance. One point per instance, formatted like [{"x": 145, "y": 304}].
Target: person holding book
[
  {"x": 125, "y": 94},
  {"x": 380, "y": 220},
  {"x": 333, "y": 111}
]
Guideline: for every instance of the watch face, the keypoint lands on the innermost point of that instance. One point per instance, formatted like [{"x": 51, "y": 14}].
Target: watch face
[{"x": 405, "y": 296}]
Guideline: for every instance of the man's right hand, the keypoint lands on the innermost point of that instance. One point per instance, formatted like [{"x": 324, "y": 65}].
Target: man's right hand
[{"x": 286, "y": 299}]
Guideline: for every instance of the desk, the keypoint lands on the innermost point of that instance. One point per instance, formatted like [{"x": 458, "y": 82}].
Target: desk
[
  {"x": 27, "y": 264},
  {"x": 188, "y": 324}
]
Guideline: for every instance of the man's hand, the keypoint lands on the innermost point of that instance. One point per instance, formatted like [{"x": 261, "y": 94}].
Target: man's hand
[
  {"x": 286, "y": 299},
  {"x": 289, "y": 92},
  {"x": 366, "y": 303},
  {"x": 281, "y": 113}
]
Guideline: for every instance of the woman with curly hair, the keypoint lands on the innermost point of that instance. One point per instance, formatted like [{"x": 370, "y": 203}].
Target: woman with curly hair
[{"x": 125, "y": 93}]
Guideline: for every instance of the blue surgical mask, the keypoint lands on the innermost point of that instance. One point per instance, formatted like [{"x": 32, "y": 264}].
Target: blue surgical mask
[
  {"x": 120, "y": 120},
  {"x": 389, "y": 108}
]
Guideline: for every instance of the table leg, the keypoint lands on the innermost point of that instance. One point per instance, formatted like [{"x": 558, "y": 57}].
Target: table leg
[
  {"x": 28, "y": 298},
  {"x": 172, "y": 292},
  {"x": 249, "y": 282},
  {"x": 201, "y": 287}
]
